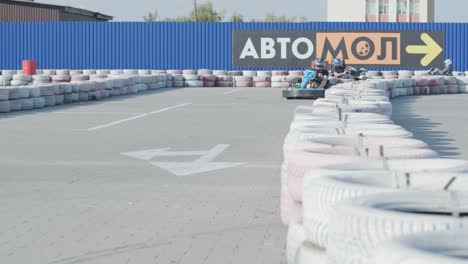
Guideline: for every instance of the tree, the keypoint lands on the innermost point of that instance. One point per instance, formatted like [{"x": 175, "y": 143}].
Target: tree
[
  {"x": 237, "y": 18},
  {"x": 271, "y": 17},
  {"x": 151, "y": 17},
  {"x": 206, "y": 13}
]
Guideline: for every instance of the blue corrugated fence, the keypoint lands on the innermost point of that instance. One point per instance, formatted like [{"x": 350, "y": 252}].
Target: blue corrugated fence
[{"x": 170, "y": 45}]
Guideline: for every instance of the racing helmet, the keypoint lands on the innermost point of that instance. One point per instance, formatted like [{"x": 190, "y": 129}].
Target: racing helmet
[
  {"x": 448, "y": 62},
  {"x": 319, "y": 63},
  {"x": 337, "y": 62}
]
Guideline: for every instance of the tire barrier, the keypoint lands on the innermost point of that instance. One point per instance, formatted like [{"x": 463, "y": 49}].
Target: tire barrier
[
  {"x": 427, "y": 248},
  {"x": 343, "y": 151}
]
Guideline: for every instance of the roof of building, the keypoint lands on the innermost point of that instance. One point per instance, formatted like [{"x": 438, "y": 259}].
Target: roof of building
[{"x": 68, "y": 9}]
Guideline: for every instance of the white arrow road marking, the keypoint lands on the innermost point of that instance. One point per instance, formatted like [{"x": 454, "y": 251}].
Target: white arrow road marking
[
  {"x": 150, "y": 154},
  {"x": 190, "y": 168},
  {"x": 137, "y": 117},
  {"x": 203, "y": 164}
]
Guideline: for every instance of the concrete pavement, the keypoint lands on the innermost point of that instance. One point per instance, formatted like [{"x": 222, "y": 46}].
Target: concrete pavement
[{"x": 69, "y": 195}]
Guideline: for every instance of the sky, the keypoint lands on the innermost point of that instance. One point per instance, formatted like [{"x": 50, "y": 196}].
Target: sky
[{"x": 313, "y": 10}]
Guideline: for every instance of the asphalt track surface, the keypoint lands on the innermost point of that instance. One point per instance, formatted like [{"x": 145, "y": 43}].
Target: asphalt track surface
[
  {"x": 439, "y": 120},
  {"x": 69, "y": 195}
]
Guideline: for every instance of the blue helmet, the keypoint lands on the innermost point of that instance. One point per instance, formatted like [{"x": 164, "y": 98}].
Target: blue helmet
[{"x": 337, "y": 62}]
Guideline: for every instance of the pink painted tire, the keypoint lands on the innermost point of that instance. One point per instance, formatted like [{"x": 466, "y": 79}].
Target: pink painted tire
[
  {"x": 189, "y": 72},
  {"x": 173, "y": 72},
  {"x": 262, "y": 84},
  {"x": 224, "y": 84},
  {"x": 209, "y": 78},
  {"x": 283, "y": 73},
  {"x": 450, "y": 80},
  {"x": 75, "y": 78},
  {"x": 290, "y": 210},
  {"x": 208, "y": 84},
  {"x": 296, "y": 73},
  {"x": 98, "y": 77},
  {"x": 61, "y": 78},
  {"x": 243, "y": 84},
  {"x": 421, "y": 81},
  {"x": 452, "y": 89},
  {"x": 278, "y": 78},
  {"x": 243, "y": 78},
  {"x": 262, "y": 79},
  {"x": 76, "y": 72},
  {"x": 63, "y": 72}
]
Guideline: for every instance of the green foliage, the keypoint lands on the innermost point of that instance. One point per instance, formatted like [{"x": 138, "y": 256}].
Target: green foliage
[
  {"x": 206, "y": 13},
  {"x": 237, "y": 18},
  {"x": 151, "y": 17}
]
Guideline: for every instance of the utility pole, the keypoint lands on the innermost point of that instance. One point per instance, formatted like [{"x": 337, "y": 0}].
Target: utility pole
[{"x": 196, "y": 13}]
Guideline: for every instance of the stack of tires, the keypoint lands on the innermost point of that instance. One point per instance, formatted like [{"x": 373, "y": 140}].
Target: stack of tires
[
  {"x": 376, "y": 75},
  {"x": 462, "y": 84},
  {"x": 422, "y": 87},
  {"x": 192, "y": 79},
  {"x": 263, "y": 79},
  {"x": 390, "y": 75},
  {"x": 436, "y": 85},
  {"x": 352, "y": 180},
  {"x": 452, "y": 85},
  {"x": 405, "y": 74},
  {"x": 243, "y": 81}
]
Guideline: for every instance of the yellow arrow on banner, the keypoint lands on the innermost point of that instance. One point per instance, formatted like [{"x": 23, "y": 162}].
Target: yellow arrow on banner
[{"x": 432, "y": 49}]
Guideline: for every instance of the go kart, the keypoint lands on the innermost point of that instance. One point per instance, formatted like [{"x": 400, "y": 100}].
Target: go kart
[{"x": 301, "y": 91}]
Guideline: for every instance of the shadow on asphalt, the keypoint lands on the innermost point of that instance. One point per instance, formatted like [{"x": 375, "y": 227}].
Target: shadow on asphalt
[
  {"x": 423, "y": 128},
  {"x": 58, "y": 108}
]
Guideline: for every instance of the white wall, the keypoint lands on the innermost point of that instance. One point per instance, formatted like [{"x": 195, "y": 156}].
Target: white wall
[{"x": 347, "y": 10}]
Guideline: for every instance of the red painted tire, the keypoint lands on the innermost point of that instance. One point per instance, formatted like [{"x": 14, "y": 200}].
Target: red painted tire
[
  {"x": 208, "y": 84},
  {"x": 262, "y": 84},
  {"x": 434, "y": 81},
  {"x": 209, "y": 78},
  {"x": 224, "y": 78},
  {"x": 224, "y": 84}
]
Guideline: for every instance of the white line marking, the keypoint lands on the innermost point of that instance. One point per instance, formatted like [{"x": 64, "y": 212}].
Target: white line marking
[
  {"x": 233, "y": 91},
  {"x": 137, "y": 117},
  {"x": 96, "y": 113}
]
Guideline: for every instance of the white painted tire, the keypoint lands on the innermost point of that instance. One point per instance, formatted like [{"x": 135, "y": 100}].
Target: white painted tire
[
  {"x": 192, "y": 77},
  {"x": 39, "y": 102},
  {"x": 130, "y": 72},
  {"x": 358, "y": 227},
  {"x": 26, "y": 104},
  {"x": 296, "y": 236},
  {"x": 425, "y": 248},
  {"x": 249, "y": 73},
  {"x": 5, "y": 106},
  {"x": 323, "y": 190},
  {"x": 308, "y": 253},
  {"x": 193, "y": 83},
  {"x": 18, "y": 83},
  {"x": 220, "y": 72},
  {"x": 290, "y": 210},
  {"x": 264, "y": 73},
  {"x": 103, "y": 72}
]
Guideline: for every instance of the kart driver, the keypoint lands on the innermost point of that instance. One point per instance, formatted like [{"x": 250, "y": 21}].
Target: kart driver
[{"x": 321, "y": 81}]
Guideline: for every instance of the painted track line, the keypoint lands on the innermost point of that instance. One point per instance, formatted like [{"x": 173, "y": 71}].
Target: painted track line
[
  {"x": 233, "y": 91},
  {"x": 118, "y": 122}
]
